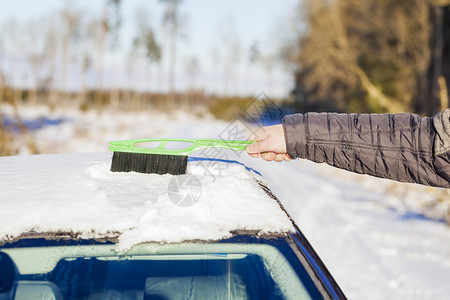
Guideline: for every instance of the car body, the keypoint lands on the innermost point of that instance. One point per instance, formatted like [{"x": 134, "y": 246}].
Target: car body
[{"x": 48, "y": 259}]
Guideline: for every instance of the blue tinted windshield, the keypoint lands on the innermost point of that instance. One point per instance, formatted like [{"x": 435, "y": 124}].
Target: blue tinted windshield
[
  {"x": 242, "y": 278},
  {"x": 234, "y": 269}
]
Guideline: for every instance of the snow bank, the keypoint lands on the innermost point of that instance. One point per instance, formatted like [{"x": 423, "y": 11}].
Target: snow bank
[{"x": 77, "y": 193}]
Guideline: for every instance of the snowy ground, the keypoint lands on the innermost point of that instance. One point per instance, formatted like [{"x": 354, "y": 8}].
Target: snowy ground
[{"x": 380, "y": 240}]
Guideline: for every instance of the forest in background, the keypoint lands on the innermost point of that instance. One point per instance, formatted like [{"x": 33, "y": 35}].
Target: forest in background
[{"x": 372, "y": 56}]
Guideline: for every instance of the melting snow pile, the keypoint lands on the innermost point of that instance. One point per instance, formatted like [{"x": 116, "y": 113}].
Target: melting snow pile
[{"x": 77, "y": 193}]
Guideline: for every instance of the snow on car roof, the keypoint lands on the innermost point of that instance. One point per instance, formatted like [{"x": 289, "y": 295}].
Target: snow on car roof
[{"x": 77, "y": 193}]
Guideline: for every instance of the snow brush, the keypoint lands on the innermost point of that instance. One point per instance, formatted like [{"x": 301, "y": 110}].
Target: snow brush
[{"x": 128, "y": 157}]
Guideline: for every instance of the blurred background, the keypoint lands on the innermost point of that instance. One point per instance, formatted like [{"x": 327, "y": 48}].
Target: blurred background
[
  {"x": 214, "y": 58},
  {"x": 77, "y": 74}
]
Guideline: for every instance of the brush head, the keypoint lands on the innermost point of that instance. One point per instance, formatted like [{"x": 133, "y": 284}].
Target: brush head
[{"x": 149, "y": 163}]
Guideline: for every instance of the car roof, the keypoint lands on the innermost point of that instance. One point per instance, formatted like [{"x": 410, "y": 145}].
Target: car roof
[{"x": 78, "y": 196}]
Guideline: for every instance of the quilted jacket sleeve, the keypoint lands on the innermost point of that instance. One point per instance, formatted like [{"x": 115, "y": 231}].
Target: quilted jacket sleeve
[{"x": 402, "y": 147}]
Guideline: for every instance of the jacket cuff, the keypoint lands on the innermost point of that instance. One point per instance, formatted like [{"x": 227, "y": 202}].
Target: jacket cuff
[
  {"x": 441, "y": 123},
  {"x": 294, "y": 133}
]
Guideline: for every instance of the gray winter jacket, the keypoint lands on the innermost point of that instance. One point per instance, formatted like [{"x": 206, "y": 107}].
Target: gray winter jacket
[{"x": 402, "y": 147}]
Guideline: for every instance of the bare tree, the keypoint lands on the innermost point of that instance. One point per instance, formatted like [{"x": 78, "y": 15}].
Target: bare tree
[
  {"x": 145, "y": 44},
  {"x": 71, "y": 31},
  {"x": 109, "y": 23},
  {"x": 232, "y": 48},
  {"x": 266, "y": 60},
  {"x": 85, "y": 65},
  {"x": 15, "y": 42},
  {"x": 192, "y": 70},
  {"x": 115, "y": 21},
  {"x": 134, "y": 85},
  {"x": 216, "y": 58},
  {"x": 130, "y": 69},
  {"x": 36, "y": 60},
  {"x": 254, "y": 58},
  {"x": 50, "y": 51},
  {"x": 172, "y": 22}
]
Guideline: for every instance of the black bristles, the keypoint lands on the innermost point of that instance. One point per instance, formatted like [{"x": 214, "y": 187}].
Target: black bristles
[{"x": 149, "y": 163}]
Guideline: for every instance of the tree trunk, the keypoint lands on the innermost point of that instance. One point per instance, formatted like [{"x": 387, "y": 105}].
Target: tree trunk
[
  {"x": 443, "y": 93},
  {"x": 434, "y": 106}
]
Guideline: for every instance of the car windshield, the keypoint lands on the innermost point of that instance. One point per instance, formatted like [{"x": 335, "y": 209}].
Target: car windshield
[{"x": 265, "y": 269}]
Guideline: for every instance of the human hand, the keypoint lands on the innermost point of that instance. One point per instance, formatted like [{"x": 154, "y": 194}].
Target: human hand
[{"x": 271, "y": 144}]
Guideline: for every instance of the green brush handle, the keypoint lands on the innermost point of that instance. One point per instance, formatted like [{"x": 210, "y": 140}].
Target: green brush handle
[{"x": 197, "y": 144}]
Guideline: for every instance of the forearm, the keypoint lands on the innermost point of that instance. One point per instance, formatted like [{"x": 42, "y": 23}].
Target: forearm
[{"x": 394, "y": 146}]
